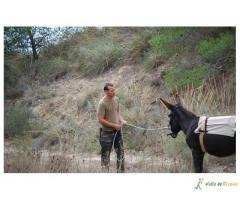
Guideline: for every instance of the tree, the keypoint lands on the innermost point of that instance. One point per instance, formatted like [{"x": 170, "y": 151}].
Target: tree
[
  {"x": 26, "y": 40},
  {"x": 31, "y": 40}
]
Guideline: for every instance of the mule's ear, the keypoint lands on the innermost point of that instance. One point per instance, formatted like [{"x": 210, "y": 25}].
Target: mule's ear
[
  {"x": 168, "y": 105},
  {"x": 178, "y": 100}
]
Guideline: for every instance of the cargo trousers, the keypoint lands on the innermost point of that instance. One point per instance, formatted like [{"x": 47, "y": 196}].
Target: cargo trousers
[{"x": 108, "y": 140}]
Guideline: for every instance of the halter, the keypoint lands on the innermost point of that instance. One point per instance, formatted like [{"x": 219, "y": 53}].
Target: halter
[{"x": 174, "y": 135}]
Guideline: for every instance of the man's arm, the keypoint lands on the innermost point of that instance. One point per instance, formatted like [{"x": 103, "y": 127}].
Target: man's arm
[{"x": 107, "y": 123}]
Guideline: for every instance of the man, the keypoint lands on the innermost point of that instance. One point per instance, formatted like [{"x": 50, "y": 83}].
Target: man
[{"x": 110, "y": 132}]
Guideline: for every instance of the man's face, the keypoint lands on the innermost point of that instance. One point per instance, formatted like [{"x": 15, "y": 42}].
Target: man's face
[{"x": 110, "y": 92}]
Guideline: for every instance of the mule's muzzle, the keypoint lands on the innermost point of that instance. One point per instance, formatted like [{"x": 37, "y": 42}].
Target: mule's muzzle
[{"x": 173, "y": 135}]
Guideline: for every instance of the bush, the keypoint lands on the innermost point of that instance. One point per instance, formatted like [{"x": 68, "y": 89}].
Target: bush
[
  {"x": 178, "y": 77},
  {"x": 13, "y": 73},
  {"x": 49, "y": 69},
  {"x": 99, "y": 56},
  {"x": 14, "y": 92},
  {"x": 17, "y": 120},
  {"x": 139, "y": 46},
  {"x": 167, "y": 42},
  {"x": 79, "y": 137},
  {"x": 213, "y": 49},
  {"x": 152, "y": 60}
]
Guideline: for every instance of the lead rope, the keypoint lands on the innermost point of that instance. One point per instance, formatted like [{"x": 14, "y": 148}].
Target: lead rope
[
  {"x": 138, "y": 127},
  {"x": 148, "y": 129},
  {"x": 114, "y": 137}
]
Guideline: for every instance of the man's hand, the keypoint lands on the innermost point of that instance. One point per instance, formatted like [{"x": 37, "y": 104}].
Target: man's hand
[
  {"x": 123, "y": 122},
  {"x": 118, "y": 126},
  {"x": 110, "y": 124}
]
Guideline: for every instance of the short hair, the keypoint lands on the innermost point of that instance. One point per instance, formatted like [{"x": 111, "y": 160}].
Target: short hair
[{"x": 106, "y": 86}]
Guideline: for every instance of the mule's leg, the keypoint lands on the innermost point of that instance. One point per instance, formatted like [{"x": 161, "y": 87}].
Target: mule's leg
[{"x": 198, "y": 160}]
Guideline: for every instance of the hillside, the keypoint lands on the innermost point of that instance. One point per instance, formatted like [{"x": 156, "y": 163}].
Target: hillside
[{"x": 58, "y": 103}]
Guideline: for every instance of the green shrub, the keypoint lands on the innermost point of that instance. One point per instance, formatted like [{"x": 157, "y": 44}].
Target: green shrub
[
  {"x": 167, "y": 42},
  {"x": 16, "y": 121},
  {"x": 13, "y": 92},
  {"x": 178, "y": 77},
  {"x": 11, "y": 76},
  {"x": 49, "y": 68},
  {"x": 152, "y": 60},
  {"x": 23, "y": 142},
  {"x": 13, "y": 73},
  {"x": 140, "y": 46},
  {"x": 99, "y": 56},
  {"x": 214, "y": 49}
]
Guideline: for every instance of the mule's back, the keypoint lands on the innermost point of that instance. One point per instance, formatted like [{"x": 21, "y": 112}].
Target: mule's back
[{"x": 220, "y": 137}]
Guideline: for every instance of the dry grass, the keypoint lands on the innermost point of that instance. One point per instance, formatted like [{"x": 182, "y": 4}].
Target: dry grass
[
  {"x": 72, "y": 115},
  {"x": 215, "y": 97}
]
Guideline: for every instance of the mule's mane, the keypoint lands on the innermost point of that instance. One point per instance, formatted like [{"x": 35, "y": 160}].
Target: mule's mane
[{"x": 190, "y": 113}]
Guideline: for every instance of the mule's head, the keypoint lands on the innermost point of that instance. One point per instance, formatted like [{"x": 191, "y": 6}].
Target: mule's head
[{"x": 174, "y": 120}]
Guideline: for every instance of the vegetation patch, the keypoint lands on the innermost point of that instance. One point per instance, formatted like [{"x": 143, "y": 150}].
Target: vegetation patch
[
  {"x": 167, "y": 42},
  {"x": 99, "y": 56},
  {"x": 17, "y": 120},
  {"x": 178, "y": 77}
]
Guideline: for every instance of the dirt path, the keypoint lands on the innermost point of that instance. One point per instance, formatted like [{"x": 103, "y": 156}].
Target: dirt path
[{"x": 135, "y": 162}]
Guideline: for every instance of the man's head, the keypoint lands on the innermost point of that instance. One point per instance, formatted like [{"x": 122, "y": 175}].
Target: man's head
[{"x": 109, "y": 90}]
